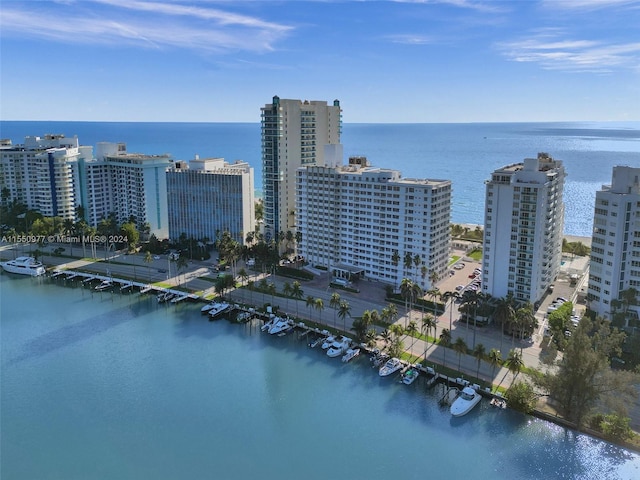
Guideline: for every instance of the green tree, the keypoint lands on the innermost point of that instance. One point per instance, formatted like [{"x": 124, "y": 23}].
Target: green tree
[
  {"x": 297, "y": 293},
  {"x": 514, "y": 363},
  {"x": 412, "y": 331},
  {"x": 344, "y": 311},
  {"x": 460, "y": 347},
  {"x": 319, "y": 305},
  {"x": 310, "y": 301},
  {"x": 522, "y": 397},
  {"x": 583, "y": 377},
  {"x": 148, "y": 258},
  {"x": 616, "y": 427},
  {"x": 334, "y": 303},
  {"x": 495, "y": 359},
  {"x": 445, "y": 341},
  {"x": 480, "y": 352},
  {"x": 129, "y": 231}
]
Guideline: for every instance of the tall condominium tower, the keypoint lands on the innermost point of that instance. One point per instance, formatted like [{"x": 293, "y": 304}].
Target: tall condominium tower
[
  {"x": 615, "y": 245},
  {"x": 209, "y": 196},
  {"x": 524, "y": 219},
  {"x": 42, "y": 173},
  {"x": 129, "y": 185},
  {"x": 293, "y": 135},
  {"x": 361, "y": 220}
]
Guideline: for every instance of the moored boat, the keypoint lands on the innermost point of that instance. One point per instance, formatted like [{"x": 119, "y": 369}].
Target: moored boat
[
  {"x": 338, "y": 347},
  {"x": 219, "y": 309},
  {"x": 24, "y": 266},
  {"x": 410, "y": 375},
  {"x": 391, "y": 366},
  {"x": 464, "y": 403},
  {"x": 104, "y": 285},
  {"x": 350, "y": 354},
  {"x": 280, "y": 325}
]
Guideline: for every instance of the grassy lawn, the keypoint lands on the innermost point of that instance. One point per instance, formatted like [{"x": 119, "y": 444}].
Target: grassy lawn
[
  {"x": 453, "y": 259},
  {"x": 476, "y": 255}
]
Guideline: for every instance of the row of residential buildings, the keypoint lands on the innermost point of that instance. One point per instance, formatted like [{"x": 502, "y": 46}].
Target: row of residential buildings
[{"x": 351, "y": 218}]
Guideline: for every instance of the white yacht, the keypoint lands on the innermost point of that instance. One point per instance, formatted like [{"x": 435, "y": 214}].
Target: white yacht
[
  {"x": 208, "y": 307},
  {"x": 338, "y": 347},
  {"x": 350, "y": 354},
  {"x": 24, "y": 266},
  {"x": 279, "y": 325},
  {"x": 391, "y": 366},
  {"x": 219, "y": 309},
  {"x": 328, "y": 342},
  {"x": 464, "y": 403}
]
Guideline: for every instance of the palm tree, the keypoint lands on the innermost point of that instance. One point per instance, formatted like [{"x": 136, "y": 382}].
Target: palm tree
[
  {"x": 310, "y": 303},
  {"x": 453, "y": 296},
  {"x": 405, "y": 291},
  {"x": 514, "y": 363},
  {"x": 471, "y": 298},
  {"x": 286, "y": 291},
  {"x": 393, "y": 312},
  {"x": 250, "y": 286},
  {"x": 433, "y": 293},
  {"x": 386, "y": 336},
  {"x": 428, "y": 322},
  {"x": 445, "y": 341},
  {"x": 479, "y": 352},
  {"x": 148, "y": 258},
  {"x": 408, "y": 261},
  {"x": 411, "y": 330},
  {"x": 504, "y": 313},
  {"x": 319, "y": 305},
  {"x": 460, "y": 347},
  {"x": 495, "y": 359},
  {"x": 297, "y": 293},
  {"x": 243, "y": 275},
  {"x": 417, "y": 260},
  {"x": 334, "y": 303},
  {"x": 182, "y": 263},
  {"x": 343, "y": 312}
]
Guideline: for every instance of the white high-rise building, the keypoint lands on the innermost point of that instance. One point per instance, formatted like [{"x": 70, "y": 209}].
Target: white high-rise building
[
  {"x": 523, "y": 225},
  {"x": 294, "y": 133},
  {"x": 42, "y": 173},
  {"x": 129, "y": 185},
  {"x": 355, "y": 219},
  {"x": 210, "y": 196},
  {"x": 615, "y": 244}
]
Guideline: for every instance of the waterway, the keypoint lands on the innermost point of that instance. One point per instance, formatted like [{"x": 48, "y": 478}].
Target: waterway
[{"x": 106, "y": 385}]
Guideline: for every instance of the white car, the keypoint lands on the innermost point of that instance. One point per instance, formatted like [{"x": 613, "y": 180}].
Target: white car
[{"x": 156, "y": 257}]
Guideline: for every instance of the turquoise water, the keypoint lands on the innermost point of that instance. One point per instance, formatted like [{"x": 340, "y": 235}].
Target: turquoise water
[{"x": 103, "y": 385}]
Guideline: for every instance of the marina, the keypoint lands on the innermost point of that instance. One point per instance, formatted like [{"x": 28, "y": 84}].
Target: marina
[{"x": 125, "y": 374}]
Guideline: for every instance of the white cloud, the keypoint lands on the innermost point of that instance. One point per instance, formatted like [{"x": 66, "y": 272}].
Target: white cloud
[
  {"x": 588, "y": 4},
  {"x": 411, "y": 39},
  {"x": 552, "y": 53},
  {"x": 142, "y": 24}
]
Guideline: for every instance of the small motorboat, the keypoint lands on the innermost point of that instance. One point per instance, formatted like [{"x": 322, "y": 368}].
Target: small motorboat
[
  {"x": 391, "y": 366},
  {"x": 498, "y": 403},
  {"x": 350, "y": 354},
  {"x": 464, "y": 403},
  {"x": 104, "y": 285},
  {"x": 267, "y": 325},
  {"x": 410, "y": 375},
  {"x": 316, "y": 342}
]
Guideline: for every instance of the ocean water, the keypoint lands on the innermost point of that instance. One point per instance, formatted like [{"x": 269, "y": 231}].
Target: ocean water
[
  {"x": 463, "y": 153},
  {"x": 104, "y": 385}
]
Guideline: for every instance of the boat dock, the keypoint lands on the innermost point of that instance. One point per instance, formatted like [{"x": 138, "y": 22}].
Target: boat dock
[{"x": 124, "y": 284}]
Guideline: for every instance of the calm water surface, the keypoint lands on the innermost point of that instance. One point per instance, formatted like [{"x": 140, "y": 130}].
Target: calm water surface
[{"x": 102, "y": 385}]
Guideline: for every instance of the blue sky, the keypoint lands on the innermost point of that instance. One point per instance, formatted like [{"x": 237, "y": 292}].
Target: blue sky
[{"x": 395, "y": 61}]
